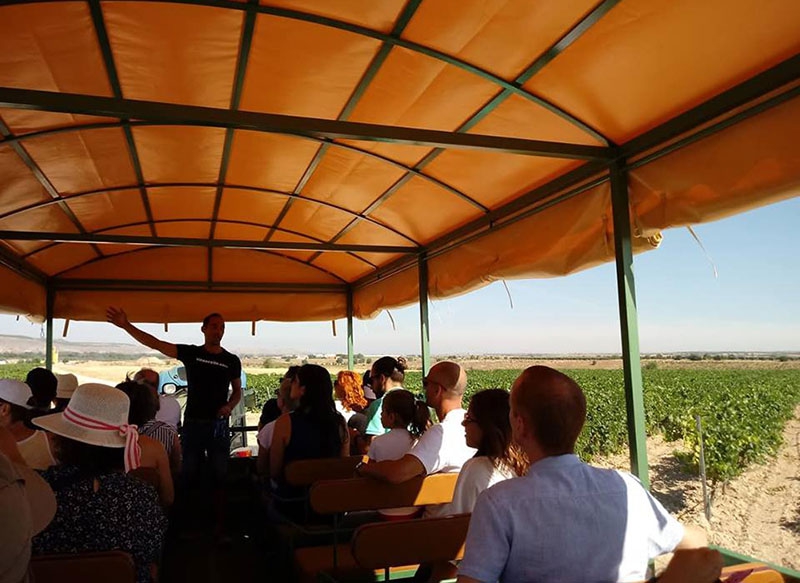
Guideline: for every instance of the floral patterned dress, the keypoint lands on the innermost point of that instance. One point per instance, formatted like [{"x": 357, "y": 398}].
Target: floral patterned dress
[{"x": 123, "y": 514}]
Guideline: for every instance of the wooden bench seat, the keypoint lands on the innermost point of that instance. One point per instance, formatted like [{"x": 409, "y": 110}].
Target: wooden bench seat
[
  {"x": 99, "y": 567},
  {"x": 358, "y": 494}
]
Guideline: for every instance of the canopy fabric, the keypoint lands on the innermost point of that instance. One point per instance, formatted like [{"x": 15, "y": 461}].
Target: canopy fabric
[{"x": 294, "y": 160}]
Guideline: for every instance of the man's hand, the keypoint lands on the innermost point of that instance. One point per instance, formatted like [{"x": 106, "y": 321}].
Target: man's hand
[
  {"x": 225, "y": 410},
  {"x": 693, "y": 566},
  {"x": 117, "y": 316}
]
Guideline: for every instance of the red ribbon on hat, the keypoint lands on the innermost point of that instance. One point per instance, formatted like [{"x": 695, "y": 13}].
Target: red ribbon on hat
[{"x": 133, "y": 453}]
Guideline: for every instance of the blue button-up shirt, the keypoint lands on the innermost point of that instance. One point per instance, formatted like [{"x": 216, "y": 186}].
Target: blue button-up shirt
[{"x": 565, "y": 522}]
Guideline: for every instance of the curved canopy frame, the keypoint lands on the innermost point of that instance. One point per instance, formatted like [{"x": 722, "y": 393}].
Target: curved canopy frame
[{"x": 368, "y": 199}]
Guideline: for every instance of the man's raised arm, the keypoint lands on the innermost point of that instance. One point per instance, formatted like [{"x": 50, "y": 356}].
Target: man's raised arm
[{"x": 118, "y": 317}]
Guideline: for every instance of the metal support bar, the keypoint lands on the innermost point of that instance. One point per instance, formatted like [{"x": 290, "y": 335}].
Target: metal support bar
[
  {"x": 629, "y": 327},
  {"x": 96, "y": 238},
  {"x": 350, "y": 354},
  {"x": 48, "y": 347},
  {"x": 157, "y": 285},
  {"x": 424, "y": 325},
  {"x": 288, "y": 124}
]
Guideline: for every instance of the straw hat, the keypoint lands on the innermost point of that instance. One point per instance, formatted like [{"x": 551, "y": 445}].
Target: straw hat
[
  {"x": 67, "y": 383},
  {"x": 98, "y": 415},
  {"x": 15, "y": 392}
]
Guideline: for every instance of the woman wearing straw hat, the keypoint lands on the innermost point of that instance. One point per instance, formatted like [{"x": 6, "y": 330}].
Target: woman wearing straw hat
[{"x": 99, "y": 506}]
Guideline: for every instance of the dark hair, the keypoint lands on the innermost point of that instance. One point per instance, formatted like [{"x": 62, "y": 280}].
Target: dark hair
[
  {"x": 143, "y": 406},
  {"x": 211, "y": 315},
  {"x": 292, "y": 371},
  {"x": 91, "y": 460},
  {"x": 412, "y": 412},
  {"x": 317, "y": 403},
  {"x": 489, "y": 409},
  {"x": 269, "y": 412},
  {"x": 17, "y": 413},
  {"x": 555, "y": 407},
  {"x": 392, "y": 368},
  {"x": 44, "y": 385}
]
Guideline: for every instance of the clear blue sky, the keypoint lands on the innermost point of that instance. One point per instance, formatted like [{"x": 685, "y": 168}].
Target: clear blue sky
[{"x": 754, "y": 304}]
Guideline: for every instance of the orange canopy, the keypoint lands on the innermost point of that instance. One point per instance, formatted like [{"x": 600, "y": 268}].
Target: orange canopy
[{"x": 295, "y": 159}]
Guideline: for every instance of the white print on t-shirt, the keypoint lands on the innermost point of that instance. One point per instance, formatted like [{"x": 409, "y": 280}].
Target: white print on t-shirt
[{"x": 222, "y": 364}]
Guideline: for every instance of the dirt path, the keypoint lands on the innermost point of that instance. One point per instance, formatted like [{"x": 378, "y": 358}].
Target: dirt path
[{"x": 757, "y": 514}]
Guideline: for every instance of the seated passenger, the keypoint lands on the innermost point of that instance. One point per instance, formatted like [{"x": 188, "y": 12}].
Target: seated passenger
[
  {"x": 43, "y": 384},
  {"x": 160, "y": 443},
  {"x": 65, "y": 387},
  {"x": 272, "y": 408},
  {"x": 443, "y": 447},
  {"x": 387, "y": 374},
  {"x": 99, "y": 506},
  {"x": 15, "y": 409},
  {"x": 313, "y": 430},
  {"x": 168, "y": 409},
  {"x": 285, "y": 404},
  {"x": 349, "y": 394},
  {"x": 488, "y": 429},
  {"x": 407, "y": 419},
  {"x": 27, "y": 505},
  {"x": 564, "y": 520}
]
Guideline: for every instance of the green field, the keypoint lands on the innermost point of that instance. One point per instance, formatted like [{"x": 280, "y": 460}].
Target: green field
[{"x": 743, "y": 411}]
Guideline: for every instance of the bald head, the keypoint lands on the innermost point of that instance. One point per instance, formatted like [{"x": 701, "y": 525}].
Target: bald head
[
  {"x": 553, "y": 407},
  {"x": 450, "y": 376}
]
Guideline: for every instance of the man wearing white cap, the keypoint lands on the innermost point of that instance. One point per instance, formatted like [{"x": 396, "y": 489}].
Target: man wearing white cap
[{"x": 15, "y": 408}]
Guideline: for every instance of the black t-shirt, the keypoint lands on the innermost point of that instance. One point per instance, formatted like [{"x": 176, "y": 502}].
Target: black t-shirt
[{"x": 209, "y": 376}]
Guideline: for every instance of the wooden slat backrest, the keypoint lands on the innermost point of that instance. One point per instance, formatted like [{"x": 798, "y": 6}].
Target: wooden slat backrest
[
  {"x": 408, "y": 542},
  {"x": 332, "y": 496},
  {"x": 100, "y": 567},
  {"x": 306, "y": 472}
]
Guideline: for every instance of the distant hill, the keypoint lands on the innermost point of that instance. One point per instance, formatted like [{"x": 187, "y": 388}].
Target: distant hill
[{"x": 24, "y": 345}]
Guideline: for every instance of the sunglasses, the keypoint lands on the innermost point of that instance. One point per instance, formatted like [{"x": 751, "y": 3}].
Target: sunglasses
[{"x": 469, "y": 419}]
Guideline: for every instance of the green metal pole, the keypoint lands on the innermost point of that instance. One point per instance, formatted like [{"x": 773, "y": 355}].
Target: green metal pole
[
  {"x": 48, "y": 350},
  {"x": 629, "y": 327},
  {"x": 425, "y": 336},
  {"x": 350, "y": 355}
]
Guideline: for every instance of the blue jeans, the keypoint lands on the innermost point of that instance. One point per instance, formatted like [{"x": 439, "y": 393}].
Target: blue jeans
[{"x": 203, "y": 437}]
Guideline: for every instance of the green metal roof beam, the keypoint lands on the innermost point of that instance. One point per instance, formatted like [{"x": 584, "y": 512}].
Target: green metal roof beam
[
  {"x": 306, "y": 175},
  {"x": 367, "y": 32},
  {"x": 355, "y": 97},
  {"x": 291, "y": 125},
  {"x": 290, "y": 195},
  {"x": 94, "y": 239},
  {"x": 98, "y": 20},
  {"x": 245, "y": 42},
  {"x": 752, "y": 89},
  {"x": 153, "y": 285}
]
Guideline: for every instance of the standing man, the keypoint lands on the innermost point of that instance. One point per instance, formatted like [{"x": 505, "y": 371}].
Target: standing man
[{"x": 210, "y": 370}]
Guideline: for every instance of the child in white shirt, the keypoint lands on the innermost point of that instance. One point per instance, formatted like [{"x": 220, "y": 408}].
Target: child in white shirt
[{"x": 406, "y": 418}]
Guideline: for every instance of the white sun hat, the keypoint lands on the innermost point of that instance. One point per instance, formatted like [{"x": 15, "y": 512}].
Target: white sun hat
[
  {"x": 98, "y": 415},
  {"x": 15, "y": 392},
  {"x": 67, "y": 383}
]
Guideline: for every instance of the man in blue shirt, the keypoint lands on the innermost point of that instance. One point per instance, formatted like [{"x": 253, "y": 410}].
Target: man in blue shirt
[{"x": 564, "y": 521}]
